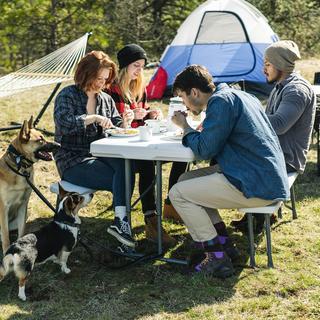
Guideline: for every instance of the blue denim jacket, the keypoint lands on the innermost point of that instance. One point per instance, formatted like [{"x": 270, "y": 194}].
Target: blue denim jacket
[{"x": 238, "y": 135}]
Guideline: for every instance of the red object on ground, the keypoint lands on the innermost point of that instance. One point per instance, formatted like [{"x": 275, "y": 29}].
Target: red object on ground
[{"x": 157, "y": 85}]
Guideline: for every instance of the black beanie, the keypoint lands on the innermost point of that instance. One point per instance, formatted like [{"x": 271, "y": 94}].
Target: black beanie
[{"x": 130, "y": 53}]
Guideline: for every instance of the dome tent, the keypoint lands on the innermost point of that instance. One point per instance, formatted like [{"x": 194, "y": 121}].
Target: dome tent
[{"x": 228, "y": 37}]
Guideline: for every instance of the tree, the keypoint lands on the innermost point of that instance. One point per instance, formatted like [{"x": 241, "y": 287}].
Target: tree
[
  {"x": 30, "y": 29},
  {"x": 297, "y": 20}
]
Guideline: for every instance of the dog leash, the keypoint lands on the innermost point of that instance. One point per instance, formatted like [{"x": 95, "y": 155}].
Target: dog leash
[
  {"x": 144, "y": 258},
  {"x": 19, "y": 159},
  {"x": 134, "y": 260}
]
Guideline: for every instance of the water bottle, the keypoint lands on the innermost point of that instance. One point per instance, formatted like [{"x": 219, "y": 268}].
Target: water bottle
[{"x": 176, "y": 104}]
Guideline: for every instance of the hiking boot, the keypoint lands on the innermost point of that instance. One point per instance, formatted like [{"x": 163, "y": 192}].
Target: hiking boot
[
  {"x": 231, "y": 249},
  {"x": 169, "y": 212},
  {"x": 258, "y": 223},
  {"x": 216, "y": 267},
  {"x": 151, "y": 228},
  {"x": 120, "y": 229},
  {"x": 240, "y": 225}
]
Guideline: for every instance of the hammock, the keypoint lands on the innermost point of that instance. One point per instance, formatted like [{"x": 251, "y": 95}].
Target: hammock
[{"x": 56, "y": 67}]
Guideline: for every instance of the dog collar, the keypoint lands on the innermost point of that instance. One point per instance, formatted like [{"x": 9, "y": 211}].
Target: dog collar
[
  {"x": 71, "y": 224},
  {"x": 19, "y": 159}
]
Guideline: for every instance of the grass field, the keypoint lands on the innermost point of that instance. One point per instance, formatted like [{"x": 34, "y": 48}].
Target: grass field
[{"x": 163, "y": 291}]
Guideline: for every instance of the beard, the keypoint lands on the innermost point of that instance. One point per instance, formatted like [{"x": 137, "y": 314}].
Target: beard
[{"x": 271, "y": 81}]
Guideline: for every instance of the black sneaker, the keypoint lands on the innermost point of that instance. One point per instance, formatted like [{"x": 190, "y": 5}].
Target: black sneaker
[
  {"x": 220, "y": 268},
  {"x": 126, "y": 249},
  {"x": 120, "y": 229},
  {"x": 232, "y": 251}
]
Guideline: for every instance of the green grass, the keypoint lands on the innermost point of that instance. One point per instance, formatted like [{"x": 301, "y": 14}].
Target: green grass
[{"x": 159, "y": 290}]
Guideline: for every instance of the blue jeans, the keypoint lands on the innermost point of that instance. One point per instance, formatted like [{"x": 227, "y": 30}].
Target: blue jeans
[{"x": 100, "y": 174}]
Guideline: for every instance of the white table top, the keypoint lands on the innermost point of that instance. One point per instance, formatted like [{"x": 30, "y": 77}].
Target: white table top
[
  {"x": 316, "y": 88},
  {"x": 159, "y": 148}
]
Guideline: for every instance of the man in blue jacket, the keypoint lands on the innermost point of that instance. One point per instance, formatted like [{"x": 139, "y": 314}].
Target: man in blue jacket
[{"x": 250, "y": 170}]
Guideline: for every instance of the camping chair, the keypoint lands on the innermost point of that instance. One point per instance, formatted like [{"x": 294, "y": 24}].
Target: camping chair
[{"x": 55, "y": 68}]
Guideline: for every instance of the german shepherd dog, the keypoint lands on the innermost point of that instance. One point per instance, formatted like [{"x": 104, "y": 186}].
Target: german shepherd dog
[
  {"x": 54, "y": 242},
  {"x": 15, "y": 165}
]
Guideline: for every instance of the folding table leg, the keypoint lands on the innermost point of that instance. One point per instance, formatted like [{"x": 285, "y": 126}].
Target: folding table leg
[
  {"x": 293, "y": 203},
  {"x": 159, "y": 202},
  {"x": 127, "y": 164},
  {"x": 318, "y": 149},
  {"x": 251, "y": 240},
  {"x": 268, "y": 236},
  {"x": 159, "y": 211}
]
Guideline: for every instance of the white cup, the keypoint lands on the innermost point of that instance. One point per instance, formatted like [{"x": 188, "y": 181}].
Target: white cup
[
  {"x": 154, "y": 125},
  {"x": 145, "y": 133}
]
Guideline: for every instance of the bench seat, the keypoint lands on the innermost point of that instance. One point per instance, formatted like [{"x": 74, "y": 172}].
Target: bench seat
[
  {"x": 67, "y": 186},
  {"x": 267, "y": 211}
]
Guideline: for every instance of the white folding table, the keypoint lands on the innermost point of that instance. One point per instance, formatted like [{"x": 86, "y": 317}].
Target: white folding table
[{"x": 160, "y": 148}]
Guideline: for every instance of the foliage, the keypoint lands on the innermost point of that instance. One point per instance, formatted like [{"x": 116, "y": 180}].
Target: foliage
[
  {"x": 298, "y": 20},
  {"x": 30, "y": 29}
]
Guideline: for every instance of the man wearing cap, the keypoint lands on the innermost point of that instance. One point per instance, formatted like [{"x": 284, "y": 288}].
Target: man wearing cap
[{"x": 290, "y": 109}]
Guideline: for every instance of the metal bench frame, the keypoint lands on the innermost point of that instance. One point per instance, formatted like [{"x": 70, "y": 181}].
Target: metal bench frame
[{"x": 267, "y": 212}]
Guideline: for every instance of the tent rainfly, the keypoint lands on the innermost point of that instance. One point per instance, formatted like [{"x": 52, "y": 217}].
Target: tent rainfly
[{"x": 228, "y": 37}]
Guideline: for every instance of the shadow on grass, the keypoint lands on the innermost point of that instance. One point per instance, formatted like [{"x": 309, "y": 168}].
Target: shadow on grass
[
  {"x": 307, "y": 185},
  {"x": 92, "y": 290}
]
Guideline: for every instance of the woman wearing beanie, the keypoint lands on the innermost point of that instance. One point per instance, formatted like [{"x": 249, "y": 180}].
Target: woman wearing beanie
[
  {"x": 128, "y": 91},
  {"x": 81, "y": 113}
]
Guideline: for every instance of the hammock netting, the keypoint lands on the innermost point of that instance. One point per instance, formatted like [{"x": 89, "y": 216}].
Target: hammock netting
[{"x": 56, "y": 67}]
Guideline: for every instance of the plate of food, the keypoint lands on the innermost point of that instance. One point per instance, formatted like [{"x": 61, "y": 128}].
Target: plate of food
[
  {"x": 177, "y": 135},
  {"x": 123, "y": 133}
]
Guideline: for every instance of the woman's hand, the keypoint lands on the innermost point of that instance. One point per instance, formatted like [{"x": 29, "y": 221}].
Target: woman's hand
[
  {"x": 127, "y": 117},
  {"x": 155, "y": 114},
  {"x": 104, "y": 122},
  {"x": 139, "y": 113}
]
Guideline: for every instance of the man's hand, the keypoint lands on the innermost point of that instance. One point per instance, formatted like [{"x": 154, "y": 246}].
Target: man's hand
[
  {"x": 179, "y": 118},
  {"x": 200, "y": 127}
]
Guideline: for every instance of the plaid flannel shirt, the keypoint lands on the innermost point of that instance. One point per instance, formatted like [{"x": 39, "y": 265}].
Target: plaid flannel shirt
[
  {"x": 115, "y": 92},
  {"x": 70, "y": 131}
]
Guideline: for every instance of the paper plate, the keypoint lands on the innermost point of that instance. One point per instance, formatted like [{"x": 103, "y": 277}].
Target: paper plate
[{"x": 173, "y": 136}]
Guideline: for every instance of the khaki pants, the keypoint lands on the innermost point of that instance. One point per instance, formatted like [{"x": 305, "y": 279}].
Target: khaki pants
[{"x": 199, "y": 193}]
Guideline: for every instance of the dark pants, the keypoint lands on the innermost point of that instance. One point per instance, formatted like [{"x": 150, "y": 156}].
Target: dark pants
[
  {"x": 146, "y": 171},
  {"x": 290, "y": 169},
  {"x": 100, "y": 174}
]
